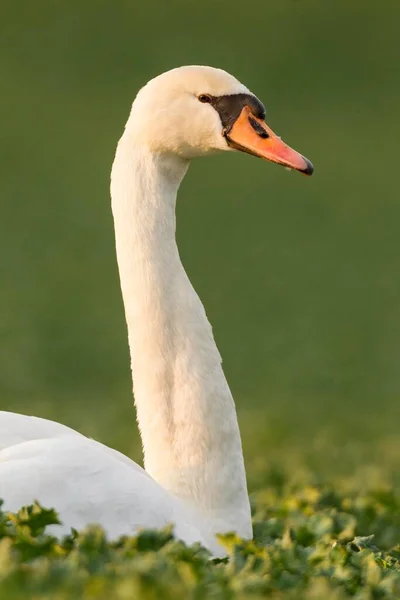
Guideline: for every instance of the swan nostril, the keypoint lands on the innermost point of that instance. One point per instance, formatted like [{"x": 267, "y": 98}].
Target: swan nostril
[{"x": 259, "y": 129}]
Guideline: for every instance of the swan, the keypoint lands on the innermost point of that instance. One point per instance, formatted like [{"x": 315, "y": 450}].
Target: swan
[{"x": 194, "y": 474}]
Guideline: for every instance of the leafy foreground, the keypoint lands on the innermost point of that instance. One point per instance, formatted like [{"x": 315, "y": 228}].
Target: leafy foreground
[{"x": 310, "y": 542}]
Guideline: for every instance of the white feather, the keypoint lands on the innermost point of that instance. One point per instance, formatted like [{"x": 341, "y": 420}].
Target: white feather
[{"x": 195, "y": 476}]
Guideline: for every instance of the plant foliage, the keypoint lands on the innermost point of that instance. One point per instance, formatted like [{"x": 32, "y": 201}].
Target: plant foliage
[{"x": 310, "y": 542}]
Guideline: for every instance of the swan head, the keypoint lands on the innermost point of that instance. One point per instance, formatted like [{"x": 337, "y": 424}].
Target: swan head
[{"x": 195, "y": 110}]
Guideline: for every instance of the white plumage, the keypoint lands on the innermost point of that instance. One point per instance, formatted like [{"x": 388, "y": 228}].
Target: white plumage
[{"x": 195, "y": 476}]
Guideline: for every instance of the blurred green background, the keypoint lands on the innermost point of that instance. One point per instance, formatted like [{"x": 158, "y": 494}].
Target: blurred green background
[{"x": 300, "y": 277}]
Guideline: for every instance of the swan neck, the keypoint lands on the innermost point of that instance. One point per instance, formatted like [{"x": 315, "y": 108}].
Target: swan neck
[{"x": 186, "y": 414}]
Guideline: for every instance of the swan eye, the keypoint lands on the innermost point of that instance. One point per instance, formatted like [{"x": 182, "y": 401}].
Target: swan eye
[{"x": 204, "y": 98}]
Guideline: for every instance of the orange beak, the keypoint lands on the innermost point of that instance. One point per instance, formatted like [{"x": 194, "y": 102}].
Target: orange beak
[{"x": 252, "y": 135}]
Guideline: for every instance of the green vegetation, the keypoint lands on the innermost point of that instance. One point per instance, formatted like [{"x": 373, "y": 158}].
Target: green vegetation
[
  {"x": 300, "y": 279},
  {"x": 307, "y": 544}
]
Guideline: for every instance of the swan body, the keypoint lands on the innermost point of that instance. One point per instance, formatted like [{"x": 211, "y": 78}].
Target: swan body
[{"x": 194, "y": 474}]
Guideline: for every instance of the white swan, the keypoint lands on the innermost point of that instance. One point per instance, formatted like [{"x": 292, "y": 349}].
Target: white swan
[{"x": 195, "y": 476}]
